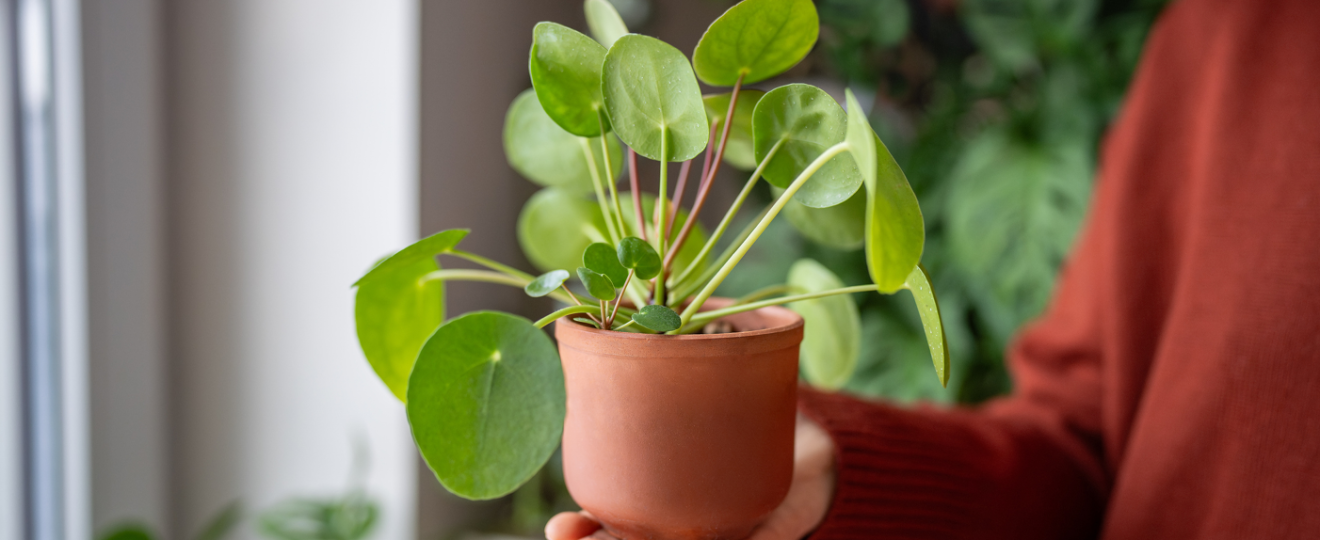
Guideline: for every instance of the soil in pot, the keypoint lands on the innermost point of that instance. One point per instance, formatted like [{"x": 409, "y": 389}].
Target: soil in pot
[{"x": 681, "y": 437}]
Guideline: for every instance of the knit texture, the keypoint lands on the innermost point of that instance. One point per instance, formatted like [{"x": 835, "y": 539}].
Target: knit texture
[{"x": 1172, "y": 388}]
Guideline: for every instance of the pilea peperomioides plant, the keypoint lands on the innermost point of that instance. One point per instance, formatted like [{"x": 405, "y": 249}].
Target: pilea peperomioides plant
[{"x": 484, "y": 391}]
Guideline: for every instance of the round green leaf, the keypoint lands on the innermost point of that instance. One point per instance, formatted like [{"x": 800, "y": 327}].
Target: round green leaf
[
  {"x": 832, "y": 336},
  {"x": 691, "y": 248},
  {"x": 486, "y": 403},
  {"x": 738, "y": 151},
  {"x": 598, "y": 285},
  {"x": 808, "y": 121},
  {"x": 604, "y": 21},
  {"x": 426, "y": 248},
  {"x": 565, "y": 67},
  {"x": 634, "y": 253},
  {"x": 600, "y": 258},
  {"x": 544, "y": 153},
  {"x": 658, "y": 318},
  {"x": 546, "y": 283},
  {"x": 395, "y": 312},
  {"x": 929, "y": 310},
  {"x": 651, "y": 95},
  {"x": 757, "y": 39},
  {"x": 842, "y": 226},
  {"x": 554, "y": 227},
  {"x": 895, "y": 230}
]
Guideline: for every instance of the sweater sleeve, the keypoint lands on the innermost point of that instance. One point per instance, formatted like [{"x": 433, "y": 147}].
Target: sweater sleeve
[{"x": 1024, "y": 467}]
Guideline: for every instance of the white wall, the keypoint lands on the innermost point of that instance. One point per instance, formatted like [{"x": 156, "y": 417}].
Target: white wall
[{"x": 291, "y": 169}]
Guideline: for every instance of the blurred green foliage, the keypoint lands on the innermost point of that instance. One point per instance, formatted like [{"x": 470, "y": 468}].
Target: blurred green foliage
[{"x": 995, "y": 109}]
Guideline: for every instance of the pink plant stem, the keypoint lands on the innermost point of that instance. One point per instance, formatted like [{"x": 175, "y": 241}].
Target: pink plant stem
[
  {"x": 636, "y": 193},
  {"x": 705, "y": 183},
  {"x": 677, "y": 201}
]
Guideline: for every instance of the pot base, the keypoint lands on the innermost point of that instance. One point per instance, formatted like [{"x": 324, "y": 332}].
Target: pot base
[{"x": 681, "y": 437}]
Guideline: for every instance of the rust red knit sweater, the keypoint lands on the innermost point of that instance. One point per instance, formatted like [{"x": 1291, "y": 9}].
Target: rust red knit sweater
[{"x": 1172, "y": 389}]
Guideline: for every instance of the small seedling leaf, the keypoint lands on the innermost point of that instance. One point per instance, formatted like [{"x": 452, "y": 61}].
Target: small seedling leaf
[
  {"x": 598, "y": 286},
  {"x": 658, "y": 318},
  {"x": 546, "y": 283},
  {"x": 757, "y": 39},
  {"x": 638, "y": 255},
  {"x": 486, "y": 403},
  {"x": 807, "y": 121},
  {"x": 600, "y": 258}
]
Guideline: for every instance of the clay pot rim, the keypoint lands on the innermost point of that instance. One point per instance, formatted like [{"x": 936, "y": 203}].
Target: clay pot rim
[{"x": 579, "y": 336}]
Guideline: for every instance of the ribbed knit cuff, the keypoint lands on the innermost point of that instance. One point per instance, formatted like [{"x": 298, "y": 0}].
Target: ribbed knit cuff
[{"x": 899, "y": 475}]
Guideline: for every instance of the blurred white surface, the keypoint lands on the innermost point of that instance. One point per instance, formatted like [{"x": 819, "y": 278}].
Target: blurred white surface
[{"x": 292, "y": 151}]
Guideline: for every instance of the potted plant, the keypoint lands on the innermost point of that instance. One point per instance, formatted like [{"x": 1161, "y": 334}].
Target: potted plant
[{"x": 675, "y": 408}]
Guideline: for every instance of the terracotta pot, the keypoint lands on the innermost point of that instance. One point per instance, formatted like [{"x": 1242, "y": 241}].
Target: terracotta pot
[{"x": 681, "y": 437}]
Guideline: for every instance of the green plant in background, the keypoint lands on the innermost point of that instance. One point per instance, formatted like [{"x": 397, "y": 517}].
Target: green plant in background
[
  {"x": 484, "y": 391},
  {"x": 995, "y": 110}
]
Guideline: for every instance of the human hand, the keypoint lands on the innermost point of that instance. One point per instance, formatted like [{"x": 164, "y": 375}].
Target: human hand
[{"x": 801, "y": 512}]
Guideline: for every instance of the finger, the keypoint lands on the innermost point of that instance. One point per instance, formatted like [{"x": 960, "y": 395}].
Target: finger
[{"x": 570, "y": 526}]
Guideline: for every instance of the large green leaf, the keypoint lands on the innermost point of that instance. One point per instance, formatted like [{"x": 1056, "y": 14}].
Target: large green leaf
[
  {"x": 565, "y": 67},
  {"x": 426, "y": 248},
  {"x": 895, "y": 231},
  {"x": 486, "y": 403},
  {"x": 395, "y": 312},
  {"x": 605, "y": 23},
  {"x": 652, "y": 96},
  {"x": 807, "y": 121},
  {"x": 757, "y": 39},
  {"x": 544, "y": 153},
  {"x": 832, "y": 336},
  {"x": 738, "y": 151},
  {"x": 555, "y": 226},
  {"x": 929, "y": 309},
  {"x": 842, "y": 226}
]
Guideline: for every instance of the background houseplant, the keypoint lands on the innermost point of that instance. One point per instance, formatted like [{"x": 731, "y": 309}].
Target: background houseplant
[{"x": 484, "y": 439}]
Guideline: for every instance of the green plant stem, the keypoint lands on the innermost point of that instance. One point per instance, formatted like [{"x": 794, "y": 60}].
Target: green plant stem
[
  {"x": 704, "y": 317},
  {"x": 765, "y": 292},
  {"x": 619, "y": 300},
  {"x": 661, "y": 204},
  {"x": 600, "y": 190},
  {"x": 625, "y": 325},
  {"x": 677, "y": 202},
  {"x": 493, "y": 265},
  {"x": 688, "y": 288},
  {"x": 733, "y": 261},
  {"x": 733, "y": 211},
  {"x": 486, "y": 276},
  {"x": 706, "y": 182},
  {"x": 570, "y": 294},
  {"x": 570, "y": 310},
  {"x": 609, "y": 175},
  {"x": 635, "y": 184}
]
